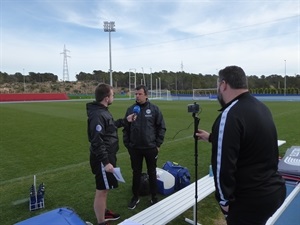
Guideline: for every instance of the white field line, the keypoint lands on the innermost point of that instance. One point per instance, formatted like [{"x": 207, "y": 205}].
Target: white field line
[
  {"x": 42, "y": 173},
  {"x": 68, "y": 167},
  {"x": 20, "y": 201},
  {"x": 24, "y": 200}
]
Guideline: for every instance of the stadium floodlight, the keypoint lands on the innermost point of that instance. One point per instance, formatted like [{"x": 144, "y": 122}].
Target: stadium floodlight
[{"x": 109, "y": 26}]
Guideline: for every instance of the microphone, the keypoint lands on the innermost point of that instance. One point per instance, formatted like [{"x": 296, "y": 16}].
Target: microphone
[{"x": 136, "y": 110}]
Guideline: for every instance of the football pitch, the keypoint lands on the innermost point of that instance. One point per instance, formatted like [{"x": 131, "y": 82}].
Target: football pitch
[{"x": 49, "y": 140}]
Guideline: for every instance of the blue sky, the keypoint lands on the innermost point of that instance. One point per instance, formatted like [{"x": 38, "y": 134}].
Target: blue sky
[{"x": 261, "y": 36}]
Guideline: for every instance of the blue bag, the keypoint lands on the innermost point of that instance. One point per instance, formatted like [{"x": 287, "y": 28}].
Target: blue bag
[
  {"x": 59, "y": 216},
  {"x": 181, "y": 174}
]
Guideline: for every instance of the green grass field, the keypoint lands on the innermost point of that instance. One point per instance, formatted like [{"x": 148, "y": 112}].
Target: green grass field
[{"x": 49, "y": 140}]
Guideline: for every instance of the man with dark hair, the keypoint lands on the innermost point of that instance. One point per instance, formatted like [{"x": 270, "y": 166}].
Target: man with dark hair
[
  {"x": 104, "y": 144},
  {"x": 143, "y": 138},
  {"x": 244, "y": 153}
]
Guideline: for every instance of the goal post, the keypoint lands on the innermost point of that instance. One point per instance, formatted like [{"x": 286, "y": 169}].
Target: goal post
[
  {"x": 160, "y": 94},
  {"x": 154, "y": 94},
  {"x": 204, "y": 93}
]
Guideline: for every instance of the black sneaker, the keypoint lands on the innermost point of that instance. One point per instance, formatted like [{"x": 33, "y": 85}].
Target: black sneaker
[
  {"x": 134, "y": 201},
  {"x": 110, "y": 215},
  {"x": 153, "y": 201}
]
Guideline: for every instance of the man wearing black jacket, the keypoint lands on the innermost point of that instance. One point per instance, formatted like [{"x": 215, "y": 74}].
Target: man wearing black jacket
[
  {"x": 104, "y": 144},
  {"x": 244, "y": 153},
  {"x": 143, "y": 138}
]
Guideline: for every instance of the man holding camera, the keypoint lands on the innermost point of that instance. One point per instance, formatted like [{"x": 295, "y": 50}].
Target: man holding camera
[{"x": 244, "y": 153}]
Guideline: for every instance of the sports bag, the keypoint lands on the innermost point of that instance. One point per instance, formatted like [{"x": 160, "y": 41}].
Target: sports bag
[{"x": 181, "y": 174}]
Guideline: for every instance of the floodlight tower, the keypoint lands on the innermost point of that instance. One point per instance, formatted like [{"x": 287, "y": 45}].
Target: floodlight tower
[
  {"x": 109, "y": 26},
  {"x": 65, "y": 65}
]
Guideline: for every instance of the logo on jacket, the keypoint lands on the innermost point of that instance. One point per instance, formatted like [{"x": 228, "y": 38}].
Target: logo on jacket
[
  {"x": 98, "y": 128},
  {"x": 148, "y": 113}
]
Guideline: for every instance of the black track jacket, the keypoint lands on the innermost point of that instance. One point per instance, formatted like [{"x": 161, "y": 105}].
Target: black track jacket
[
  {"x": 244, "y": 151},
  {"x": 148, "y": 131},
  {"x": 102, "y": 132}
]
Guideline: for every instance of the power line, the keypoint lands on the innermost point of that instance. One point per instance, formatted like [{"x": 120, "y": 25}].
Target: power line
[{"x": 212, "y": 33}]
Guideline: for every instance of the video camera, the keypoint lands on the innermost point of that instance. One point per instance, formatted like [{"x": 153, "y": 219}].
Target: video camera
[{"x": 193, "y": 108}]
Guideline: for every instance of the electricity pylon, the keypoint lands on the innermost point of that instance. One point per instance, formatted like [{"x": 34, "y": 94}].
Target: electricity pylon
[{"x": 65, "y": 65}]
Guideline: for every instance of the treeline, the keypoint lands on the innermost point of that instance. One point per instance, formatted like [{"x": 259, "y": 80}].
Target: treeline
[
  {"x": 30, "y": 78},
  {"x": 164, "y": 80}
]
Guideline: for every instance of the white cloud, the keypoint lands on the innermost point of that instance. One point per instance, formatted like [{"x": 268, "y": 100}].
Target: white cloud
[{"x": 202, "y": 35}]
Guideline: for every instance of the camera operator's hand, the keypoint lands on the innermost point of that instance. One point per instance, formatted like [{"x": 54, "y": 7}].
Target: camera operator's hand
[{"x": 202, "y": 135}]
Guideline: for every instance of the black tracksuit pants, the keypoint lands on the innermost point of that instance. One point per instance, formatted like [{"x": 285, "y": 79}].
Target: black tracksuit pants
[
  {"x": 136, "y": 157},
  {"x": 255, "y": 211}
]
